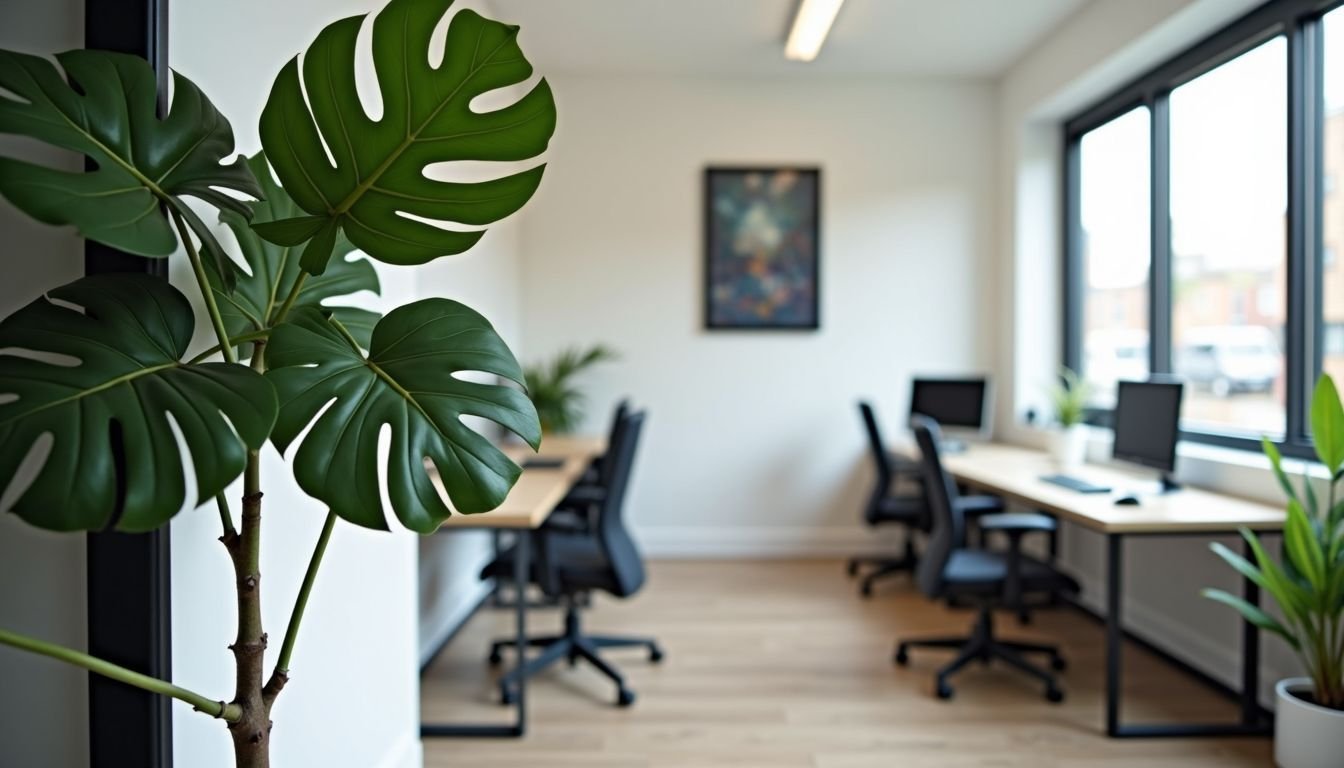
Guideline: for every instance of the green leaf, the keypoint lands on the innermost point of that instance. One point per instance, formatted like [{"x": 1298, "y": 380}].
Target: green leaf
[
  {"x": 376, "y": 177},
  {"x": 1303, "y": 547},
  {"x": 107, "y": 112},
  {"x": 1327, "y": 424},
  {"x": 255, "y": 301},
  {"x": 1252, "y": 614},
  {"x": 1276, "y": 463},
  {"x": 127, "y": 383},
  {"x": 1291, "y": 597},
  {"x": 1241, "y": 565},
  {"x": 408, "y": 382}
]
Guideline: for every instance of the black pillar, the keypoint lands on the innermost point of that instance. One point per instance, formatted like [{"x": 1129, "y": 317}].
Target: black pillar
[{"x": 129, "y": 607}]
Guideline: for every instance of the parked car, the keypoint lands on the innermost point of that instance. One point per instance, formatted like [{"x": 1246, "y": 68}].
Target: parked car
[
  {"x": 1112, "y": 355},
  {"x": 1229, "y": 359}
]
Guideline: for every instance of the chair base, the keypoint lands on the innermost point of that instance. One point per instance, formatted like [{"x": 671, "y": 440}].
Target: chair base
[
  {"x": 982, "y": 645},
  {"x": 882, "y": 567},
  {"x": 572, "y": 646}
]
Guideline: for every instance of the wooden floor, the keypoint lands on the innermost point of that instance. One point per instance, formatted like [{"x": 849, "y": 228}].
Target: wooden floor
[{"x": 780, "y": 663}]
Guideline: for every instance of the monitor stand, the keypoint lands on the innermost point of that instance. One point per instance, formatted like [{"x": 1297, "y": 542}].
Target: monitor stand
[{"x": 1168, "y": 484}]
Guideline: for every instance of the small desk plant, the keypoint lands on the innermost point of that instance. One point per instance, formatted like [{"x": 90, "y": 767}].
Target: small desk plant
[
  {"x": 550, "y": 386},
  {"x": 1308, "y": 587},
  {"x": 1068, "y": 398},
  {"x": 99, "y": 372}
]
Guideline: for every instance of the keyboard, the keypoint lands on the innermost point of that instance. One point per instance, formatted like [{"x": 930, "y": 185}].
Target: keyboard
[{"x": 1075, "y": 484}]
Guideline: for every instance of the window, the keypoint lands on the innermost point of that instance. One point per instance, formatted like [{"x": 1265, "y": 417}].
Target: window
[
  {"x": 1332, "y": 203},
  {"x": 1204, "y": 215},
  {"x": 1229, "y": 197},
  {"x": 1113, "y": 175}
]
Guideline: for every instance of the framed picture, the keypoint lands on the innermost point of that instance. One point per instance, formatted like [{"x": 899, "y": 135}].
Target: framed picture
[{"x": 762, "y": 240}]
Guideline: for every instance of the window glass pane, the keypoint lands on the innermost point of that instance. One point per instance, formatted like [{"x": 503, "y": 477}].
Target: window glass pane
[
  {"x": 1332, "y": 211},
  {"x": 1229, "y": 197},
  {"x": 1114, "y": 171}
]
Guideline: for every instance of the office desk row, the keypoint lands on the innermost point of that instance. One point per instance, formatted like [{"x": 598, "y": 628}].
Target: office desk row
[
  {"x": 1014, "y": 473},
  {"x": 526, "y": 508}
]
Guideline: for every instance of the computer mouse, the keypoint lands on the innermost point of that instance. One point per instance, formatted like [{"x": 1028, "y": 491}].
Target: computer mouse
[{"x": 1128, "y": 500}]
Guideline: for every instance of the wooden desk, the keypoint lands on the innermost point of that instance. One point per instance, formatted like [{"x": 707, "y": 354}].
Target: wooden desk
[
  {"x": 526, "y": 508},
  {"x": 1014, "y": 473}
]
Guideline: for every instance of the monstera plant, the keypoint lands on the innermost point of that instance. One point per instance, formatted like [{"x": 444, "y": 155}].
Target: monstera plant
[{"x": 104, "y": 410}]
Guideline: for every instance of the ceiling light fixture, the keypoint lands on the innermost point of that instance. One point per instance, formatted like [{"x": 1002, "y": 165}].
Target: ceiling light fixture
[{"x": 810, "y": 27}]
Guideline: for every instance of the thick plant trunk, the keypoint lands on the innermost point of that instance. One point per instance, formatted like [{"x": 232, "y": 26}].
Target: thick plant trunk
[{"x": 252, "y": 733}]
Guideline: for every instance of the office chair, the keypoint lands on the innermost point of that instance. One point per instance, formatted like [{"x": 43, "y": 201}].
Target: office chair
[
  {"x": 909, "y": 510},
  {"x": 577, "y": 511},
  {"x": 987, "y": 579},
  {"x": 571, "y": 564}
]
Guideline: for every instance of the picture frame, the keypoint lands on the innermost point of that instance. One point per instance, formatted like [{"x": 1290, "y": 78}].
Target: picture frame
[{"x": 762, "y": 260}]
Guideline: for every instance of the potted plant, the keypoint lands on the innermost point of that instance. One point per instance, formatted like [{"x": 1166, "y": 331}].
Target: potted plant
[
  {"x": 558, "y": 401},
  {"x": 99, "y": 369},
  {"x": 1308, "y": 587},
  {"x": 1068, "y": 399}
]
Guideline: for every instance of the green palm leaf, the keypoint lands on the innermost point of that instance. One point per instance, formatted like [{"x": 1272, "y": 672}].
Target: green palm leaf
[
  {"x": 375, "y": 179},
  {"x": 125, "y": 385},
  {"x": 407, "y": 381},
  {"x": 257, "y": 297},
  {"x": 107, "y": 112},
  {"x": 1254, "y": 615},
  {"x": 1327, "y": 424}
]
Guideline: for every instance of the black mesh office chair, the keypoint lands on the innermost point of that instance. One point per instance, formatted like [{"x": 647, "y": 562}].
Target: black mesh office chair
[
  {"x": 570, "y": 564},
  {"x": 988, "y": 580},
  {"x": 910, "y": 509},
  {"x": 577, "y": 511}
]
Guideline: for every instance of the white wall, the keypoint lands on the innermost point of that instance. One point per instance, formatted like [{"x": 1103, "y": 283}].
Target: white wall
[
  {"x": 754, "y": 442},
  {"x": 353, "y": 699},
  {"x": 1107, "y": 43},
  {"x": 43, "y": 703}
]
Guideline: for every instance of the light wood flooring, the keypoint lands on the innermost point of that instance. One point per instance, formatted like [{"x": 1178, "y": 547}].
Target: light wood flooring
[{"x": 780, "y": 663}]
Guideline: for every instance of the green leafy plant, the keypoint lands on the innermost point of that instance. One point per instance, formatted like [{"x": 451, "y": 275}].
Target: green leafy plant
[
  {"x": 100, "y": 367},
  {"x": 1068, "y": 397},
  {"x": 1309, "y": 584},
  {"x": 558, "y": 401}
]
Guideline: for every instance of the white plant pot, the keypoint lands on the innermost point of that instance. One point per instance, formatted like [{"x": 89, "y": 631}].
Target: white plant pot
[
  {"x": 1305, "y": 735},
  {"x": 1068, "y": 446}
]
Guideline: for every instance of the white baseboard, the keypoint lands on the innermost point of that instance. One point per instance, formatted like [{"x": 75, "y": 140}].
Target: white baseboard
[
  {"x": 703, "y": 542},
  {"x": 408, "y": 753}
]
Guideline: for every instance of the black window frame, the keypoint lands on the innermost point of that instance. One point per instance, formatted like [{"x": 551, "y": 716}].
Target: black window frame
[{"x": 1299, "y": 22}]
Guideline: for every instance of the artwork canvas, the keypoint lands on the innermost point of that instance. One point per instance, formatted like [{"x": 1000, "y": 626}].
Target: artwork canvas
[{"x": 761, "y": 248}]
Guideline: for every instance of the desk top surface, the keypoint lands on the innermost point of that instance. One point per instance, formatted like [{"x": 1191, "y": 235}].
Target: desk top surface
[
  {"x": 538, "y": 489},
  {"x": 1014, "y": 472}
]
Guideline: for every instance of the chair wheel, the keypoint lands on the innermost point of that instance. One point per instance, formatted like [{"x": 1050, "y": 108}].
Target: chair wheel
[
  {"x": 496, "y": 658},
  {"x": 902, "y": 658},
  {"x": 655, "y": 654},
  {"x": 867, "y": 589},
  {"x": 1058, "y": 663},
  {"x": 625, "y": 697},
  {"x": 507, "y": 696},
  {"x": 942, "y": 690},
  {"x": 1054, "y": 695},
  {"x": 852, "y": 569}
]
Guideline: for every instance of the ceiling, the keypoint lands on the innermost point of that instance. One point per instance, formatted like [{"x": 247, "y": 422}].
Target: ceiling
[{"x": 946, "y": 38}]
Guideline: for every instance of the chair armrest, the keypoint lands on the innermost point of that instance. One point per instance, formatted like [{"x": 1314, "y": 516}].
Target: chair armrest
[
  {"x": 583, "y": 493},
  {"x": 1021, "y": 522},
  {"x": 567, "y": 521}
]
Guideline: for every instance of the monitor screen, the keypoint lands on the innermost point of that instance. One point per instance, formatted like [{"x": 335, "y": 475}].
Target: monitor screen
[
  {"x": 955, "y": 403},
  {"x": 1147, "y": 423}
]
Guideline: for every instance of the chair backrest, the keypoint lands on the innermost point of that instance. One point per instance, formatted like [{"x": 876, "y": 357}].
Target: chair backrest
[
  {"x": 604, "y": 464},
  {"x": 948, "y": 526},
  {"x": 881, "y": 460},
  {"x": 623, "y": 557}
]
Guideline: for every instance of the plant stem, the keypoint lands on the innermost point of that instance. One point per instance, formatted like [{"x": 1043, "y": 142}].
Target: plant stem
[
  {"x": 349, "y": 337},
  {"x": 281, "y": 674},
  {"x": 203, "y": 283},
  {"x": 233, "y": 342},
  {"x": 290, "y": 299},
  {"x": 217, "y": 709},
  {"x": 225, "y": 517}
]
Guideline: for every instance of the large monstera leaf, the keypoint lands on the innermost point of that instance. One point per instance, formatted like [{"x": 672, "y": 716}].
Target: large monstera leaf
[
  {"x": 378, "y": 181},
  {"x": 256, "y": 300},
  {"x": 407, "y": 381},
  {"x": 125, "y": 385},
  {"x": 106, "y": 111}
]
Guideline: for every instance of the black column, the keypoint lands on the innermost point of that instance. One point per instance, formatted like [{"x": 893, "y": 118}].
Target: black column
[{"x": 129, "y": 604}]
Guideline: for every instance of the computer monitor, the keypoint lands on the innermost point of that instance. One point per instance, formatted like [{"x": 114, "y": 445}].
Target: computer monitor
[
  {"x": 1147, "y": 425},
  {"x": 960, "y": 406}
]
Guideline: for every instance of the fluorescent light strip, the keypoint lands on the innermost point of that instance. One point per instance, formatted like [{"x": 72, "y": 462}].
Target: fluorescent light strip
[{"x": 810, "y": 28}]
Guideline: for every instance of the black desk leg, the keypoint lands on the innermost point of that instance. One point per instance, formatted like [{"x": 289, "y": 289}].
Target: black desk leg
[
  {"x": 1250, "y": 650},
  {"x": 1114, "y": 630},
  {"x": 521, "y": 566}
]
